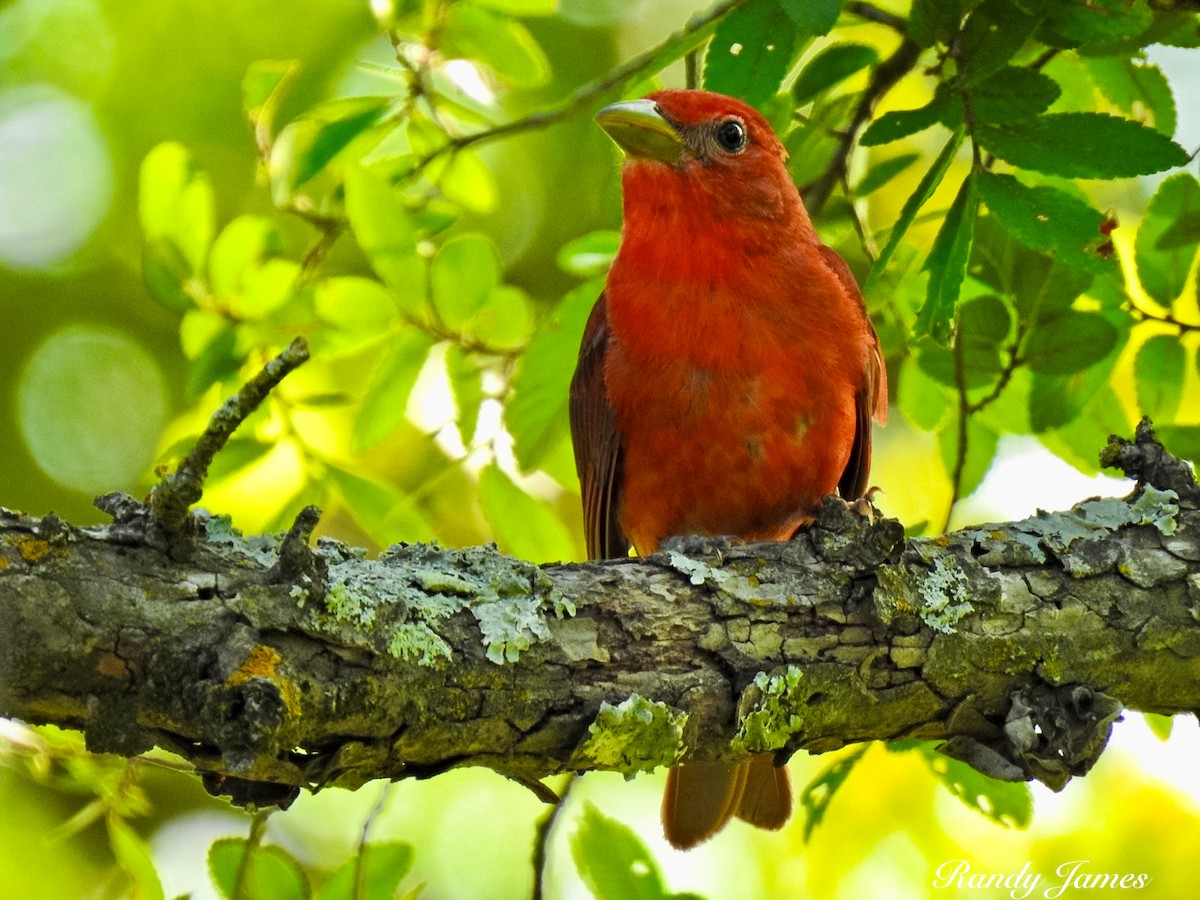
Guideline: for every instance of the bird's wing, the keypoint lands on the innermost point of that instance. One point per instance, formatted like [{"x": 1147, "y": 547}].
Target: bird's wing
[
  {"x": 597, "y": 442},
  {"x": 871, "y": 400}
]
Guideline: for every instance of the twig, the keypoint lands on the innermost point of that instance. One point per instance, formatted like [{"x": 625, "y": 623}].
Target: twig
[
  {"x": 541, "y": 838},
  {"x": 360, "y": 869},
  {"x": 890, "y": 71},
  {"x": 873, "y": 13},
  {"x": 173, "y": 496},
  {"x": 582, "y": 98},
  {"x": 258, "y": 827}
]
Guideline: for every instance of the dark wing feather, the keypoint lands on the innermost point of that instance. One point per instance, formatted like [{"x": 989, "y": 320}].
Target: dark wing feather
[
  {"x": 870, "y": 400},
  {"x": 597, "y": 442}
]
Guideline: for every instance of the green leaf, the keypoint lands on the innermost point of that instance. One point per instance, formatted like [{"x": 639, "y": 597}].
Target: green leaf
[
  {"x": 612, "y": 860},
  {"x": 981, "y": 450},
  {"x": 263, "y": 88},
  {"x": 310, "y": 143},
  {"x": 218, "y": 360},
  {"x": 1159, "y": 370},
  {"x": 992, "y": 34},
  {"x": 589, "y": 255},
  {"x": 468, "y": 182},
  {"x": 373, "y": 874},
  {"x": 243, "y": 245},
  {"x": 892, "y": 126},
  {"x": 466, "y": 380},
  {"x": 536, "y": 411},
  {"x": 819, "y": 793},
  {"x": 1159, "y": 724},
  {"x": 1068, "y": 341},
  {"x": 384, "y": 232},
  {"x": 271, "y": 874},
  {"x": 1075, "y": 23},
  {"x": 506, "y": 320},
  {"x": 1163, "y": 271},
  {"x": 359, "y": 311},
  {"x": 502, "y": 44},
  {"x": 1045, "y": 218},
  {"x": 166, "y": 273},
  {"x": 1138, "y": 88},
  {"x": 934, "y": 21},
  {"x": 237, "y": 454},
  {"x": 464, "y": 271},
  {"x": 1004, "y": 802},
  {"x": 521, "y": 7},
  {"x": 924, "y": 401},
  {"x": 919, "y": 197},
  {"x": 812, "y": 17},
  {"x": 947, "y": 263},
  {"x": 175, "y": 203},
  {"x": 750, "y": 52},
  {"x": 1182, "y": 440},
  {"x": 882, "y": 172},
  {"x": 386, "y": 514},
  {"x": 1102, "y": 416},
  {"x": 386, "y": 397},
  {"x": 523, "y": 526},
  {"x": 984, "y": 324},
  {"x": 1082, "y": 145},
  {"x": 266, "y": 289},
  {"x": 1013, "y": 93},
  {"x": 832, "y": 65},
  {"x": 135, "y": 860}
]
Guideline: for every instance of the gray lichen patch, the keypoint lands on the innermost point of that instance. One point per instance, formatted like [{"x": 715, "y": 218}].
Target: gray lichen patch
[
  {"x": 772, "y": 719},
  {"x": 262, "y": 548},
  {"x": 938, "y": 592},
  {"x": 395, "y": 603},
  {"x": 636, "y": 735}
]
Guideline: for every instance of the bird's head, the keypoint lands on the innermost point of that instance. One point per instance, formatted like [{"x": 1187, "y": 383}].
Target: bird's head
[{"x": 698, "y": 140}]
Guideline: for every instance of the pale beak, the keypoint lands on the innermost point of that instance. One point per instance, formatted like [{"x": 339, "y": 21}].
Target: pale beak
[{"x": 641, "y": 131}]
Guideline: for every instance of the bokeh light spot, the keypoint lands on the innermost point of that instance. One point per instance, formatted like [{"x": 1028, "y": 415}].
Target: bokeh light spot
[{"x": 90, "y": 406}]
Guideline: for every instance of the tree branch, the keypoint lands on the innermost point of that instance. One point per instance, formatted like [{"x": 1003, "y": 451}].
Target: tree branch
[{"x": 1016, "y": 644}]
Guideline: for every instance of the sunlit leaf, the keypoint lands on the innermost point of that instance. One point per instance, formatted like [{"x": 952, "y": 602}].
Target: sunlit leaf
[
  {"x": 1138, "y": 88},
  {"x": 819, "y": 793},
  {"x": 502, "y": 44},
  {"x": 1182, "y": 440},
  {"x": 1163, "y": 270},
  {"x": 386, "y": 398},
  {"x": 1082, "y": 145},
  {"x": 465, "y": 270},
  {"x": 1077, "y": 441},
  {"x": 750, "y": 52},
  {"x": 385, "y": 513},
  {"x": 135, "y": 860},
  {"x": 375, "y": 874},
  {"x": 237, "y": 454},
  {"x": 1074, "y": 23},
  {"x": 468, "y": 181},
  {"x": 612, "y": 861},
  {"x": 922, "y": 399},
  {"x": 271, "y": 873},
  {"x": 385, "y": 233},
  {"x": 1045, "y": 218},
  {"x": 590, "y": 254},
  {"x": 524, "y": 526},
  {"x": 266, "y": 288},
  {"x": 308, "y": 144},
  {"x": 1159, "y": 369},
  {"x": 243, "y": 245},
  {"x": 984, "y": 324},
  {"x": 358, "y": 311},
  {"x": 521, "y": 7},
  {"x": 166, "y": 273},
  {"x": 175, "y": 202},
  {"x": 536, "y": 411},
  {"x": 263, "y": 87},
  {"x": 832, "y": 65},
  {"x": 891, "y": 126},
  {"x": 466, "y": 380},
  {"x": 947, "y": 263},
  {"x": 1159, "y": 724},
  {"x": 506, "y": 320},
  {"x": 1004, "y": 802}
]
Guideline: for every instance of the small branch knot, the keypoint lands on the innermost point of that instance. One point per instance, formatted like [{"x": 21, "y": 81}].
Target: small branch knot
[{"x": 1146, "y": 460}]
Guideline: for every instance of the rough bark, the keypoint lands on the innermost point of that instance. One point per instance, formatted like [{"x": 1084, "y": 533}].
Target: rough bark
[{"x": 272, "y": 666}]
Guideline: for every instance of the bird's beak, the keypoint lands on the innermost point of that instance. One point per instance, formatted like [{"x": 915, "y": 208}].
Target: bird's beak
[{"x": 641, "y": 131}]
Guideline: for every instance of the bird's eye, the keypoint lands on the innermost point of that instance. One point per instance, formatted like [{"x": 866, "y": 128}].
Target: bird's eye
[{"x": 731, "y": 135}]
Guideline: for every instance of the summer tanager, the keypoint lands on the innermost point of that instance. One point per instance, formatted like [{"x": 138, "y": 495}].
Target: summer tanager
[{"x": 727, "y": 378}]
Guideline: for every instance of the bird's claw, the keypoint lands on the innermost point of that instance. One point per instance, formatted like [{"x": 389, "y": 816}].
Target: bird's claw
[{"x": 702, "y": 546}]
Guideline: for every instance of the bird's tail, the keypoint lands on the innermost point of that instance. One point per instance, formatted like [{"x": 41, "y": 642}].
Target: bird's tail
[{"x": 701, "y": 797}]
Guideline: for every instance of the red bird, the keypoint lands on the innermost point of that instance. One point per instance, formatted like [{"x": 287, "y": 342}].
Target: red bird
[{"x": 727, "y": 377}]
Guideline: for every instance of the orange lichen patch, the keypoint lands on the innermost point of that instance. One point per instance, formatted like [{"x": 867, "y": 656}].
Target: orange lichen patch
[
  {"x": 112, "y": 666},
  {"x": 3, "y": 563},
  {"x": 32, "y": 550},
  {"x": 262, "y": 662}
]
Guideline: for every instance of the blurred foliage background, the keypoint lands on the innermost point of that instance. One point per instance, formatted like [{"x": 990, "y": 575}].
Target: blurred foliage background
[{"x": 185, "y": 187}]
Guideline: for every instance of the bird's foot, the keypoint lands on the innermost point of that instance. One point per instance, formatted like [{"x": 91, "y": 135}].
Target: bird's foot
[{"x": 702, "y": 546}]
